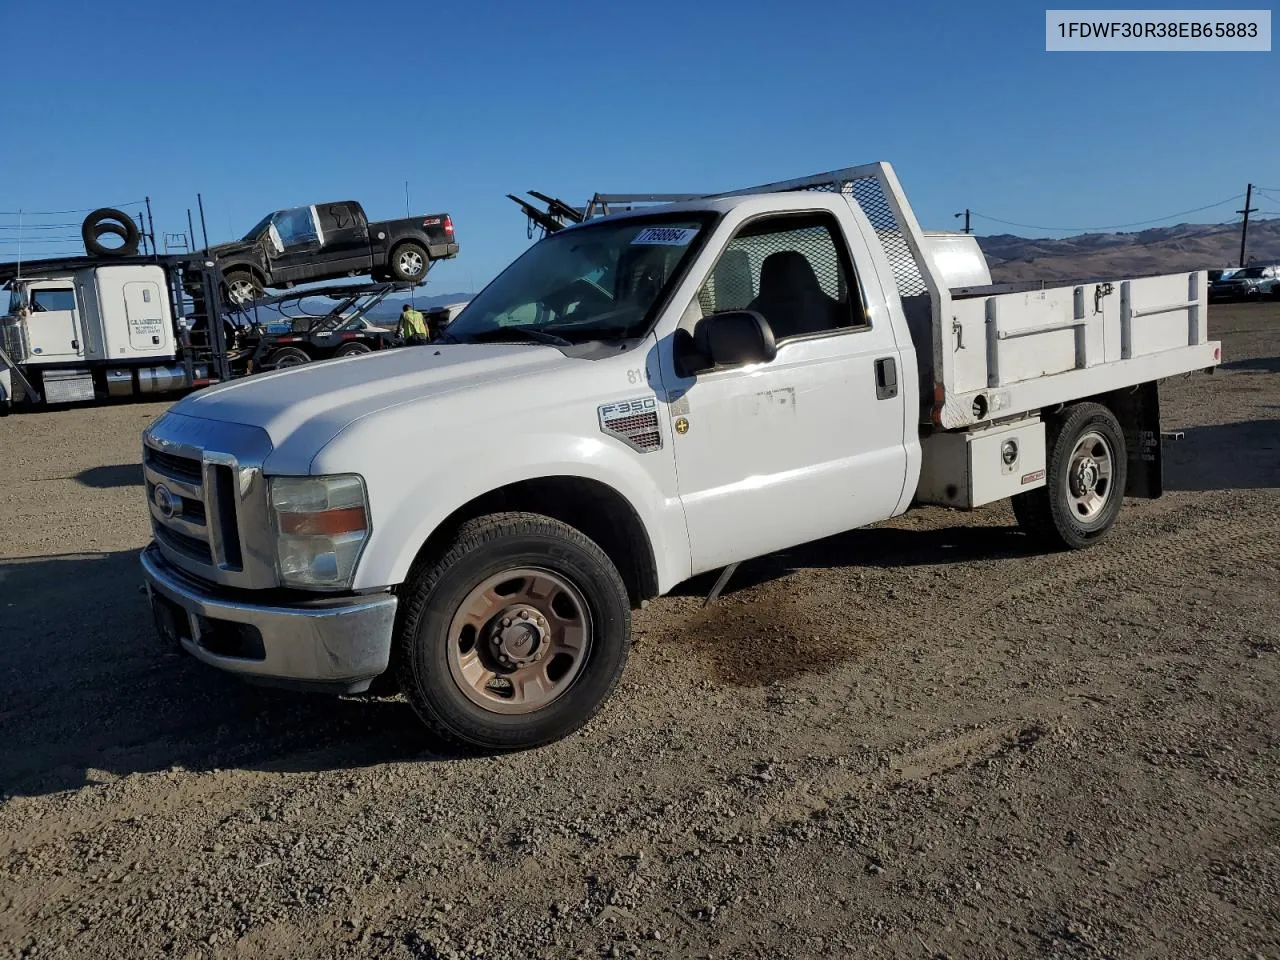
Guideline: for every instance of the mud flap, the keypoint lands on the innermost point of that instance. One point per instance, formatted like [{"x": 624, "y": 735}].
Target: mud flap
[{"x": 1138, "y": 411}]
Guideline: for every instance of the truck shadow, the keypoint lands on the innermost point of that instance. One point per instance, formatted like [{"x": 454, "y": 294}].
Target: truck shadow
[
  {"x": 874, "y": 547},
  {"x": 87, "y": 693},
  {"x": 1255, "y": 365},
  {"x": 112, "y": 475},
  {"x": 1224, "y": 456}
]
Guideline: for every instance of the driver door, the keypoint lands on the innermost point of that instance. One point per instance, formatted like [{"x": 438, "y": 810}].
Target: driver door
[
  {"x": 811, "y": 443},
  {"x": 53, "y": 326},
  {"x": 294, "y": 245}
]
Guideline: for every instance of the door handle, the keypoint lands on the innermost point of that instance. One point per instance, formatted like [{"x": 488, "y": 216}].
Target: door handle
[{"x": 886, "y": 378}]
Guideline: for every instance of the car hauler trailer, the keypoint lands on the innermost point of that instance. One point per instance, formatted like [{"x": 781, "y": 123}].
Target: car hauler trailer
[{"x": 638, "y": 399}]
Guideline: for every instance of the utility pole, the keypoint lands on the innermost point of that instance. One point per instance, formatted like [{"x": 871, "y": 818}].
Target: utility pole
[
  {"x": 966, "y": 219},
  {"x": 1244, "y": 227}
]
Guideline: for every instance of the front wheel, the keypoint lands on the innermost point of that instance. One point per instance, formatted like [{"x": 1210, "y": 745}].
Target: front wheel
[
  {"x": 1084, "y": 480},
  {"x": 242, "y": 287},
  {"x": 515, "y": 636},
  {"x": 409, "y": 262}
]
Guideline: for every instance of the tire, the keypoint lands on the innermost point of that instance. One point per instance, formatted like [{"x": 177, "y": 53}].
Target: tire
[
  {"x": 355, "y": 348},
  {"x": 116, "y": 222},
  {"x": 409, "y": 262},
  {"x": 1062, "y": 514},
  {"x": 241, "y": 286},
  {"x": 576, "y": 586},
  {"x": 285, "y": 357}
]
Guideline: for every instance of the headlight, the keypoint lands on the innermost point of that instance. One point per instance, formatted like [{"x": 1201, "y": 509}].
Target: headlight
[{"x": 322, "y": 524}]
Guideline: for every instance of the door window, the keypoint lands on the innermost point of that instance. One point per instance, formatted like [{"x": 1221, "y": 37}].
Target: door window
[
  {"x": 295, "y": 227},
  {"x": 794, "y": 270},
  {"x": 50, "y": 300}
]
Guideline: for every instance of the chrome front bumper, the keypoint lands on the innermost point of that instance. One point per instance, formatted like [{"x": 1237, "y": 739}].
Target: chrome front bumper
[{"x": 335, "y": 643}]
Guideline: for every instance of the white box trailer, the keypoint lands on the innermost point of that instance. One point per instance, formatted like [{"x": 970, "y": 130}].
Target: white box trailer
[{"x": 89, "y": 331}]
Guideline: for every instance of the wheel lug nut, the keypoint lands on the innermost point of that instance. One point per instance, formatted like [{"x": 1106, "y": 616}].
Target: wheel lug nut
[
  {"x": 506, "y": 621},
  {"x": 524, "y": 614}
]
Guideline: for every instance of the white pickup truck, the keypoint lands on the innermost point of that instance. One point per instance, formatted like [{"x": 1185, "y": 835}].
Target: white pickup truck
[{"x": 635, "y": 400}]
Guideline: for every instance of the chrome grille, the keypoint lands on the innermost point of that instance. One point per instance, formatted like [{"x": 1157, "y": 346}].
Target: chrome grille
[
  {"x": 183, "y": 468},
  {"x": 207, "y": 499},
  {"x": 179, "y": 514}
]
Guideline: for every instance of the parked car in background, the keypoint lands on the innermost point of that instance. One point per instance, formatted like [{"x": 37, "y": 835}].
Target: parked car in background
[
  {"x": 1247, "y": 283},
  {"x": 327, "y": 241}
]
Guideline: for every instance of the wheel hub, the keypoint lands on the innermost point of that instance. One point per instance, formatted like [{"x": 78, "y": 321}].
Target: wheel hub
[
  {"x": 519, "y": 637},
  {"x": 1085, "y": 479}
]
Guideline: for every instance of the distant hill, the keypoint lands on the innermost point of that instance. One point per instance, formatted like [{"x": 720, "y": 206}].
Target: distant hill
[{"x": 1186, "y": 246}]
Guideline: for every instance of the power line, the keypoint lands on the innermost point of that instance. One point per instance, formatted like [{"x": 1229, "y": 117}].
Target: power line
[
  {"x": 1114, "y": 226},
  {"x": 57, "y": 213},
  {"x": 39, "y": 226}
]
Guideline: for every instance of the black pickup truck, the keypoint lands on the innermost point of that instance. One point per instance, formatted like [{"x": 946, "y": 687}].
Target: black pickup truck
[{"x": 325, "y": 241}]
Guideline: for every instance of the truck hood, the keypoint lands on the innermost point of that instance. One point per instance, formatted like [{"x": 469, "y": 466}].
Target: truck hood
[
  {"x": 223, "y": 250},
  {"x": 302, "y": 408}
]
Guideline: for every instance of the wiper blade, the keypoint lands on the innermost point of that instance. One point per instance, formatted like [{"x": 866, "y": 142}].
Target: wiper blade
[
  {"x": 592, "y": 332},
  {"x": 528, "y": 333}
]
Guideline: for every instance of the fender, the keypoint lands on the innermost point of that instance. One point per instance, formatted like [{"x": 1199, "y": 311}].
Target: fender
[{"x": 404, "y": 514}]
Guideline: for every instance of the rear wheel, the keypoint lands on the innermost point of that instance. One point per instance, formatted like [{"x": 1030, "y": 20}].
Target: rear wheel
[
  {"x": 515, "y": 636},
  {"x": 288, "y": 357},
  {"x": 409, "y": 262},
  {"x": 1084, "y": 480}
]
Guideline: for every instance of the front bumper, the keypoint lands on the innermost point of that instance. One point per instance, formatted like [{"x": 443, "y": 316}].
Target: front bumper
[{"x": 338, "y": 643}]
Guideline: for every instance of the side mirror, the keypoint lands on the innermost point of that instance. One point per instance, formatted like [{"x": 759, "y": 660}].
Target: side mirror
[{"x": 735, "y": 338}]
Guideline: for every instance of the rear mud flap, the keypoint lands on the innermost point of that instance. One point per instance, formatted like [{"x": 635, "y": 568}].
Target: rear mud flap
[{"x": 1138, "y": 411}]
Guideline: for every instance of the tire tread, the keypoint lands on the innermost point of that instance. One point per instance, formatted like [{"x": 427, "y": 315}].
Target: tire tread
[
  {"x": 423, "y": 577},
  {"x": 1039, "y": 512}
]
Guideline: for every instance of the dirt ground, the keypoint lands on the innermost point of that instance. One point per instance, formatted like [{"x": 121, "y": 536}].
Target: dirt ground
[{"x": 918, "y": 740}]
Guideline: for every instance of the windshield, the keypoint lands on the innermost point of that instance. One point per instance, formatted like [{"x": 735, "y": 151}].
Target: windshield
[
  {"x": 586, "y": 283},
  {"x": 258, "y": 227}
]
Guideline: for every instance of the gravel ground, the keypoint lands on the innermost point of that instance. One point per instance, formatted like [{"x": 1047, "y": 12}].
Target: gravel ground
[{"x": 917, "y": 740}]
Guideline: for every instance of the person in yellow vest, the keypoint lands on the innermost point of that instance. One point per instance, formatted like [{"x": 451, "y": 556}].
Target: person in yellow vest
[{"x": 413, "y": 326}]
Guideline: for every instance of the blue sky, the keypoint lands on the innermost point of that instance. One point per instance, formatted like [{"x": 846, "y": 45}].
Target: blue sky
[{"x": 273, "y": 105}]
